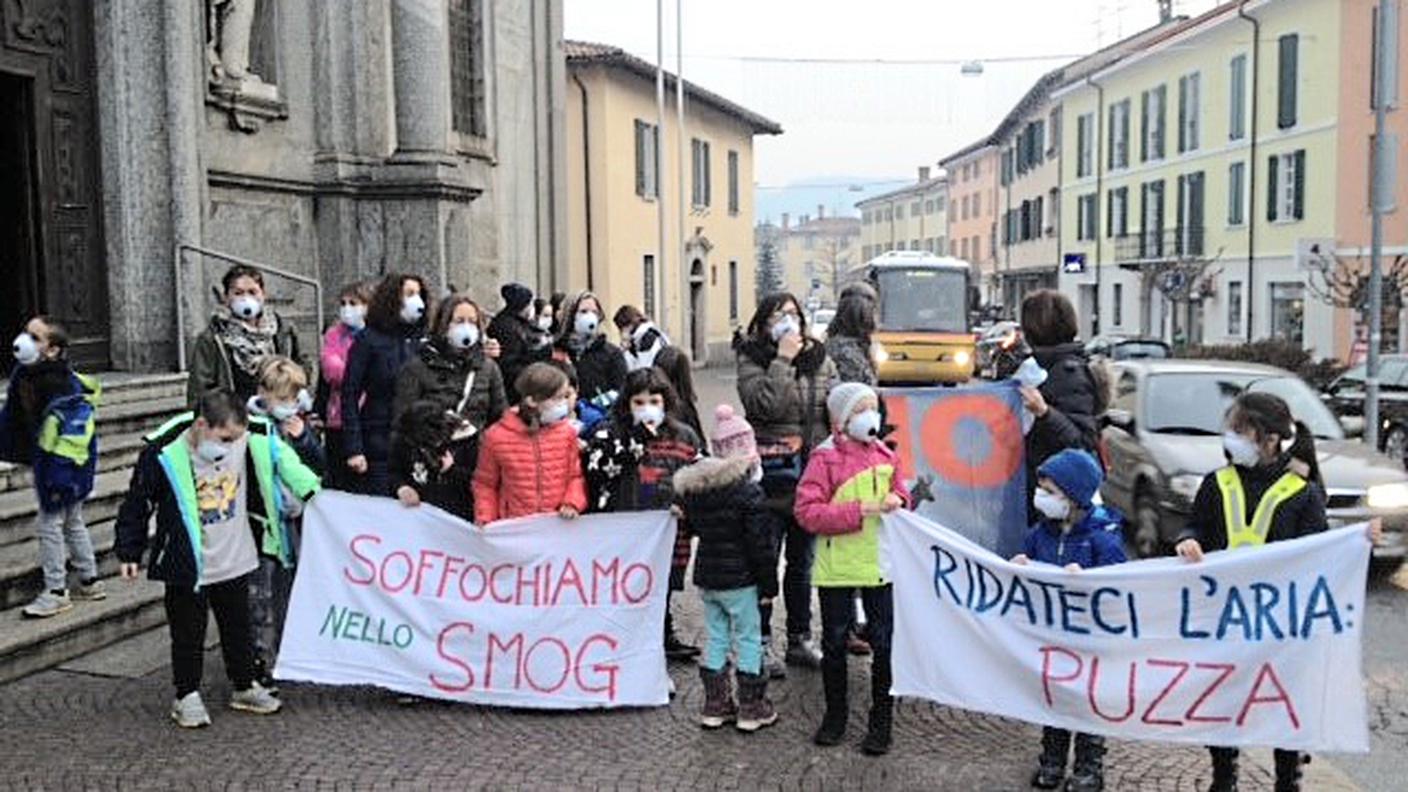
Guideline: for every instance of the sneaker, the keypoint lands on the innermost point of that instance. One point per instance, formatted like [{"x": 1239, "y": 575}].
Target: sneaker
[
  {"x": 189, "y": 712},
  {"x": 802, "y": 652},
  {"x": 257, "y": 700},
  {"x": 264, "y": 678},
  {"x": 50, "y": 603},
  {"x": 90, "y": 591}
]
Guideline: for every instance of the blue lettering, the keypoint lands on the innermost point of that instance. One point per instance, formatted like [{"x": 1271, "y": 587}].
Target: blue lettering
[
  {"x": 1095, "y": 611},
  {"x": 1046, "y": 597},
  {"x": 1183, "y": 629},
  {"x": 985, "y": 604},
  {"x": 941, "y": 573},
  {"x": 1315, "y": 609},
  {"x": 1266, "y": 597},
  {"x": 968, "y": 567},
  {"x": 1133, "y": 616},
  {"x": 1234, "y": 612},
  {"x": 334, "y": 620},
  {"x": 1017, "y": 586},
  {"x": 1067, "y": 609}
]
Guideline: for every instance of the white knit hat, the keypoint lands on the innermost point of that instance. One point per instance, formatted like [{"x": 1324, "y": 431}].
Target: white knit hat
[{"x": 844, "y": 398}]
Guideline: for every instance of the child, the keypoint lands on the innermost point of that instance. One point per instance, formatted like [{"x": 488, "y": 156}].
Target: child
[
  {"x": 280, "y": 407},
  {"x": 850, "y": 480},
  {"x": 423, "y": 466},
  {"x": 736, "y": 566},
  {"x": 529, "y": 462},
  {"x": 1072, "y": 533},
  {"x": 1273, "y": 466},
  {"x": 629, "y": 464},
  {"x": 48, "y": 423},
  {"x": 214, "y": 485},
  {"x": 679, "y": 370},
  {"x": 337, "y": 346}
]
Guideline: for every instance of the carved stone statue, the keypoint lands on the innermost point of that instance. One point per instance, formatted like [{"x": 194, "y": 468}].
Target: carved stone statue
[{"x": 231, "y": 24}]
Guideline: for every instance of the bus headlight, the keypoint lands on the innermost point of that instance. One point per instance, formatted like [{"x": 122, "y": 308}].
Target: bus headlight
[
  {"x": 962, "y": 357},
  {"x": 1387, "y": 496},
  {"x": 881, "y": 354}
]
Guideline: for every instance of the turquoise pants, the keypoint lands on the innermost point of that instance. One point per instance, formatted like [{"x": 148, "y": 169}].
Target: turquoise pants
[{"x": 732, "y": 621}]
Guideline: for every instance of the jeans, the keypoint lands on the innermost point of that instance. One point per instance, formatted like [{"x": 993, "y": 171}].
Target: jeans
[
  {"x": 55, "y": 529},
  {"x": 269, "y": 589},
  {"x": 838, "y": 610},
  {"x": 186, "y": 614},
  {"x": 731, "y": 621},
  {"x": 799, "y": 549}
]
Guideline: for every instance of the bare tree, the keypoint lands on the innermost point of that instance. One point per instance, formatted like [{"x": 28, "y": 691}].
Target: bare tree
[
  {"x": 1181, "y": 280},
  {"x": 833, "y": 259}
]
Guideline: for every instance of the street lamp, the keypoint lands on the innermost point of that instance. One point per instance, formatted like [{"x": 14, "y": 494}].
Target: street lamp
[{"x": 971, "y": 68}]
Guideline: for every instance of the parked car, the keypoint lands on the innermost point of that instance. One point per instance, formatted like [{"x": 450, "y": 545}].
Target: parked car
[
  {"x": 1164, "y": 435},
  {"x": 821, "y": 319},
  {"x": 1345, "y": 397},
  {"x": 996, "y": 347},
  {"x": 1117, "y": 347}
]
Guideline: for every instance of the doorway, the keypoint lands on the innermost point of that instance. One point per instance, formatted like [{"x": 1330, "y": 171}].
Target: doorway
[
  {"x": 19, "y": 299},
  {"x": 1086, "y": 297},
  {"x": 698, "y": 343}
]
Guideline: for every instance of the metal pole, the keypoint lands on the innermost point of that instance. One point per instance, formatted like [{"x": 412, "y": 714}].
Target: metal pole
[
  {"x": 1382, "y": 196},
  {"x": 686, "y": 310},
  {"x": 660, "y": 258}
]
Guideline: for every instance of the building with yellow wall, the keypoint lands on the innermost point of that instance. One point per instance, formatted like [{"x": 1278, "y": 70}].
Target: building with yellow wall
[
  {"x": 914, "y": 217},
  {"x": 621, "y": 171},
  {"x": 814, "y": 252},
  {"x": 972, "y": 213}
]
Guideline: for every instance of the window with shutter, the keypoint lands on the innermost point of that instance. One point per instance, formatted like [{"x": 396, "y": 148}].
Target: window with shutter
[
  {"x": 1144, "y": 127},
  {"x": 1160, "y": 122},
  {"x": 1236, "y": 187},
  {"x": 1298, "y": 199},
  {"x": 640, "y": 158},
  {"x": 1109, "y": 214},
  {"x": 468, "y": 91},
  {"x": 1272, "y": 172},
  {"x": 1182, "y": 114},
  {"x": 1237, "y": 99},
  {"x": 1195, "y": 82},
  {"x": 733, "y": 182},
  {"x": 1287, "y": 75}
]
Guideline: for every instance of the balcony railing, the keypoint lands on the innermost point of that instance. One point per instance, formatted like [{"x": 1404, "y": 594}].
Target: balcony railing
[{"x": 1170, "y": 243}]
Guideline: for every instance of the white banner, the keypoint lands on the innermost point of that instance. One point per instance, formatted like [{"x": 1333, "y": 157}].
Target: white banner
[
  {"x": 534, "y": 612},
  {"x": 1248, "y": 648}
]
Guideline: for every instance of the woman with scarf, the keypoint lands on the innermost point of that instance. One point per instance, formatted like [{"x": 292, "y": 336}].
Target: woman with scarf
[
  {"x": 601, "y": 365},
  {"x": 240, "y": 335},
  {"x": 395, "y": 331}
]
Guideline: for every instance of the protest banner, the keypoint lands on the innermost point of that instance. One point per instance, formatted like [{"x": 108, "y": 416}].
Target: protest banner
[
  {"x": 533, "y": 612},
  {"x": 1250, "y": 647},
  {"x": 961, "y": 455}
]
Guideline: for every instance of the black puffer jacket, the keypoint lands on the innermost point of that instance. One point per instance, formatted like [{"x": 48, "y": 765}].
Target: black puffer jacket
[
  {"x": 1076, "y": 401},
  {"x": 369, "y": 387},
  {"x": 727, "y": 512},
  {"x": 601, "y": 368},
  {"x": 521, "y": 345},
  {"x": 1302, "y": 515},
  {"x": 438, "y": 373}
]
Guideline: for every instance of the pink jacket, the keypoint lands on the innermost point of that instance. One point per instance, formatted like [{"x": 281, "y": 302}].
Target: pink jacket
[
  {"x": 337, "y": 346},
  {"x": 840, "y": 475}
]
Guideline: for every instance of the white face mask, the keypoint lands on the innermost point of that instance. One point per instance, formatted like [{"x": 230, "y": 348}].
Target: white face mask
[
  {"x": 246, "y": 306},
  {"x": 354, "y": 316},
  {"x": 1242, "y": 452},
  {"x": 585, "y": 323},
  {"x": 553, "y": 412},
  {"x": 545, "y": 323},
  {"x": 412, "y": 309},
  {"x": 787, "y": 325},
  {"x": 213, "y": 451},
  {"x": 462, "y": 336},
  {"x": 1054, "y": 506},
  {"x": 26, "y": 349},
  {"x": 864, "y": 426},
  {"x": 650, "y": 414}
]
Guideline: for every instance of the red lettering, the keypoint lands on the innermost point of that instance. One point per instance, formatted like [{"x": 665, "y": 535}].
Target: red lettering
[
  {"x": 566, "y": 665},
  {"x": 1267, "y": 672},
  {"x": 483, "y": 583},
  {"x": 570, "y": 577},
  {"x": 425, "y": 555},
  {"x": 442, "y": 649},
  {"x": 1095, "y": 682},
  {"x": 494, "y": 642},
  {"x": 1227, "y": 670},
  {"x": 539, "y": 573},
  {"x": 1047, "y": 678},
  {"x": 626, "y": 582},
  {"x": 598, "y": 571},
  {"x": 493, "y": 589},
  {"x": 897, "y": 412},
  {"x": 451, "y": 564},
  {"x": 1163, "y": 694},
  {"x": 371, "y": 567},
  {"x": 386, "y": 564},
  {"x": 608, "y": 669}
]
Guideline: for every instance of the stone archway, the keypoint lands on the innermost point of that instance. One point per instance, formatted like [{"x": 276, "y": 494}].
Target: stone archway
[{"x": 696, "y": 320}]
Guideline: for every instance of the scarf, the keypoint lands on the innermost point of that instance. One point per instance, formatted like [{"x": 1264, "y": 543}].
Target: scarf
[{"x": 247, "y": 346}]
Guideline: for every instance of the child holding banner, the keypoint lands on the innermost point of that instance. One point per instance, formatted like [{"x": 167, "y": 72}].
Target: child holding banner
[
  {"x": 851, "y": 479},
  {"x": 735, "y": 569},
  {"x": 529, "y": 461},
  {"x": 1076, "y": 534},
  {"x": 1282, "y": 493}
]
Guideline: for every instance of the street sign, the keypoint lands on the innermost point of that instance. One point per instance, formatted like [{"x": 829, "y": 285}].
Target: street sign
[{"x": 1073, "y": 263}]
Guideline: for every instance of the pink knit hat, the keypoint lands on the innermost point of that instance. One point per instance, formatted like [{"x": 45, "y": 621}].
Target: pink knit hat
[{"x": 733, "y": 435}]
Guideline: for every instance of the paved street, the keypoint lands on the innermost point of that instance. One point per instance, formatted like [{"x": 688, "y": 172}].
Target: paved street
[{"x": 101, "y": 722}]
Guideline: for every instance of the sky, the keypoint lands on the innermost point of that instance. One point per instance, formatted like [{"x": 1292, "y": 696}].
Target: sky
[{"x": 868, "y": 124}]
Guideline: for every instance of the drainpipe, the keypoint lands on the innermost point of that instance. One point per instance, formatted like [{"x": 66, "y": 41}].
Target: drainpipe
[
  {"x": 587, "y": 178},
  {"x": 1099, "y": 196},
  {"x": 1251, "y": 168}
]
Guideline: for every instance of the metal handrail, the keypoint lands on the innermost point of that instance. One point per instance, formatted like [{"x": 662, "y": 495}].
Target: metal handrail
[{"x": 181, "y": 248}]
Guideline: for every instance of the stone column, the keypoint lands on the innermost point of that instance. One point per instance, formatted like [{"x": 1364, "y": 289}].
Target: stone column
[{"x": 421, "y": 67}]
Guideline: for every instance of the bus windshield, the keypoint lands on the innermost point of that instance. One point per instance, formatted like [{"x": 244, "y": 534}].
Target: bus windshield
[{"x": 923, "y": 299}]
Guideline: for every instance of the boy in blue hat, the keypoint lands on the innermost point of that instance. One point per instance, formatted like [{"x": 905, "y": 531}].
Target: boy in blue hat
[{"x": 1076, "y": 534}]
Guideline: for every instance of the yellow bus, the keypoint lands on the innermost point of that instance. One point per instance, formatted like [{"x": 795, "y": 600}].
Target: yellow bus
[{"x": 923, "y": 336}]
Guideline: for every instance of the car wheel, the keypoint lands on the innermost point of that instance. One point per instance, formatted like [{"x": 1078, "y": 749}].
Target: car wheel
[
  {"x": 1396, "y": 443},
  {"x": 1144, "y": 537}
]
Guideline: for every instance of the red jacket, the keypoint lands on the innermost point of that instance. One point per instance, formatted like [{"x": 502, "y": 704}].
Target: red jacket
[{"x": 522, "y": 472}]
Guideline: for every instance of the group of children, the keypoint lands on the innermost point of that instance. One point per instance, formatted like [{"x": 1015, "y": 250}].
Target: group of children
[{"x": 226, "y": 483}]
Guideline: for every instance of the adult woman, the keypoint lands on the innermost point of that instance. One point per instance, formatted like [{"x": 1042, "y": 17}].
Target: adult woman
[
  {"x": 783, "y": 379},
  {"x": 332, "y": 368},
  {"x": 395, "y": 331},
  {"x": 1068, "y": 405},
  {"x": 601, "y": 366},
  {"x": 848, "y": 339},
  {"x": 515, "y": 329},
  {"x": 227, "y": 353},
  {"x": 1261, "y": 475}
]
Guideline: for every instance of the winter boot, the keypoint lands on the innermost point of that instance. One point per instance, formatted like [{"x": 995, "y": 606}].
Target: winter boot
[
  {"x": 719, "y": 707},
  {"x": 1051, "y": 765},
  {"x": 754, "y": 709},
  {"x": 801, "y": 651},
  {"x": 1088, "y": 774},
  {"x": 1224, "y": 770},
  {"x": 833, "y": 724},
  {"x": 1288, "y": 770},
  {"x": 882, "y": 708},
  {"x": 772, "y": 667}
]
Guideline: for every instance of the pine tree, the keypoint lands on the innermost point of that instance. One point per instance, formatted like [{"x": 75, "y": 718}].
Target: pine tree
[{"x": 769, "y": 270}]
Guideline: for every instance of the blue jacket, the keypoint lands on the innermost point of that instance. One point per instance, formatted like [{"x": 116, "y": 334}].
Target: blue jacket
[
  {"x": 1095, "y": 541},
  {"x": 60, "y": 439}
]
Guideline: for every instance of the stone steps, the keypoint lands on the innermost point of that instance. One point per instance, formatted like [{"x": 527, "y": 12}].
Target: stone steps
[
  {"x": 19, "y": 507},
  {"x": 21, "y": 579},
  {"x": 29, "y": 645}
]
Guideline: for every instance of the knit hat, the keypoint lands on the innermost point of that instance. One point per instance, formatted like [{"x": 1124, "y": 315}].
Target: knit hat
[
  {"x": 516, "y": 297},
  {"x": 844, "y": 398},
  {"x": 1075, "y": 473},
  {"x": 733, "y": 435}
]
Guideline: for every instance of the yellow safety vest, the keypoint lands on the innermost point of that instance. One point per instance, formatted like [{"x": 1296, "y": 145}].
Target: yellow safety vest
[{"x": 1234, "y": 507}]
